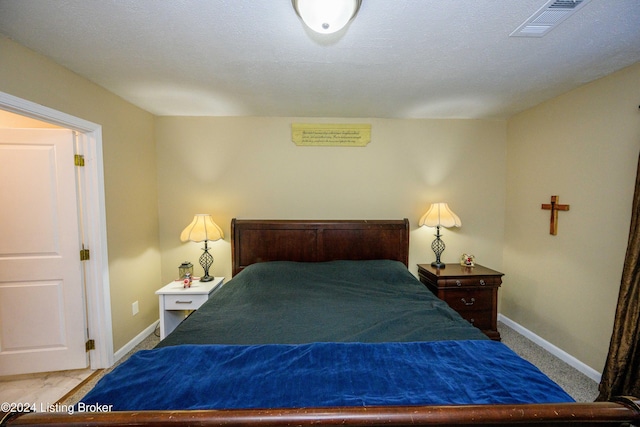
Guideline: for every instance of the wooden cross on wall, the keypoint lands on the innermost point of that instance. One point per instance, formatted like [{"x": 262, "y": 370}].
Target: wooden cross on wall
[{"x": 554, "y": 207}]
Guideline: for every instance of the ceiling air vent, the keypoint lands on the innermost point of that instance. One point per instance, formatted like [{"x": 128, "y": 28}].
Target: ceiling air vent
[{"x": 548, "y": 17}]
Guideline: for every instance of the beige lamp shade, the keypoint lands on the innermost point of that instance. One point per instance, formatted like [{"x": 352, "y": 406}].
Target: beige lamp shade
[
  {"x": 439, "y": 214},
  {"x": 201, "y": 229}
]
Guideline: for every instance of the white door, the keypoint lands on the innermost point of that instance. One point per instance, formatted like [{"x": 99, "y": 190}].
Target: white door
[{"x": 42, "y": 310}]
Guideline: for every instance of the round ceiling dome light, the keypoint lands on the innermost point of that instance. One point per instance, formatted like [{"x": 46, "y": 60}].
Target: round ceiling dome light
[{"x": 326, "y": 16}]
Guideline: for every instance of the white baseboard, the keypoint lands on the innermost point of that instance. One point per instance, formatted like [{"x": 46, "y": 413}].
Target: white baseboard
[
  {"x": 558, "y": 352},
  {"x": 135, "y": 341}
]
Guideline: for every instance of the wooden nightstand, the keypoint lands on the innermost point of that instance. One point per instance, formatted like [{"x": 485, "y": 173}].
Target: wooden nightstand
[
  {"x": 471, "y": 291},
  {"x": 176, "y": 300}
]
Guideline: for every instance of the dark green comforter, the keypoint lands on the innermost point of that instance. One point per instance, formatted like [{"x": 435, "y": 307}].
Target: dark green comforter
[{"x": 338, "y": 301}]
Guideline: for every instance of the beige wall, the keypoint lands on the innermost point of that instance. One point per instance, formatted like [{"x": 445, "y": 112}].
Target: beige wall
[
  {"x": 582, "y": 146},
  {"x": 130, "y": 176},
  {"x": 249, "y": 168}
]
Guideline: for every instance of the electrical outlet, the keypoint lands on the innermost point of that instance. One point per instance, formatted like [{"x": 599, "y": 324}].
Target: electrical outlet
[{"x": 134, "y": 308}]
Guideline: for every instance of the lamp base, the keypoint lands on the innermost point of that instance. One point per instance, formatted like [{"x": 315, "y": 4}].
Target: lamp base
[
  {"x": 438, "y": 247},
  {"x": 205, "y": 261}
]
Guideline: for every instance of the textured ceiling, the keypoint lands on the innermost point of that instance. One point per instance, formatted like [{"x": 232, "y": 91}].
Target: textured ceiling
[{"x": 397, "y": 59}]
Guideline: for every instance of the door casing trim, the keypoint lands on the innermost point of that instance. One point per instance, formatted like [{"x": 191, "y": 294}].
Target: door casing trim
[{"x": 98, "y": 298}]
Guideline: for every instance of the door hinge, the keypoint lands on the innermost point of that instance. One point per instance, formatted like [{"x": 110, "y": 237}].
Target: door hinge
[
  {"x": 78, "y": 159},
  {"x": 84, "y": 254},
  {"x": 90, "y": 345}
]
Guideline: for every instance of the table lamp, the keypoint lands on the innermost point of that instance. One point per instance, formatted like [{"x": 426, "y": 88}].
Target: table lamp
[
  {"x": 203, "y": 229},
  {"x": 439, "y": 214}
]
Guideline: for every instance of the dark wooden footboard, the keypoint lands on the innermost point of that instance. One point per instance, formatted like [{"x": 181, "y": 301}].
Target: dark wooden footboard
[{"x": 623, "y": 412}]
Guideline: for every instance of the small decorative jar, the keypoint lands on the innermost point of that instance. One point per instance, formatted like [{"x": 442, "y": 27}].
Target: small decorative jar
[
  {"x": 185, "y": 270},
  {"x": 467, "y": 260}
]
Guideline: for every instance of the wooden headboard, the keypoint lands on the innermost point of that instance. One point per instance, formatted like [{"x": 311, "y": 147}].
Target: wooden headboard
[{"x": 315, "y": 241}]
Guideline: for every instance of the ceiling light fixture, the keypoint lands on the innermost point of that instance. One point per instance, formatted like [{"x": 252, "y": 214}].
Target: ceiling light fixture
[{"x": 326, "y": 16}]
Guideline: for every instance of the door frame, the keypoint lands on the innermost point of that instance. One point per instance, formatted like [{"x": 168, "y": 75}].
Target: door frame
[{"x": 94, "y": 218}]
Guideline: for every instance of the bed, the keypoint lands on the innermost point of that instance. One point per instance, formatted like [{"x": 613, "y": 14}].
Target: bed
[{"x": 323, "y": 324}]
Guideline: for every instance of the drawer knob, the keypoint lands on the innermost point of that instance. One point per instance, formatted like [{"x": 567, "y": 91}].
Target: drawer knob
[
  {"x": 184, "y": 302},
  {"x": 464, "y": 301},
  {"x": 482, "y": 282},
  {"x": 458, "y": 283}
]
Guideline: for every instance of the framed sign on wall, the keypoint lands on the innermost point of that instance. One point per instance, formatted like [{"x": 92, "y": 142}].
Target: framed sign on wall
[{"x": 331, "y": 135}]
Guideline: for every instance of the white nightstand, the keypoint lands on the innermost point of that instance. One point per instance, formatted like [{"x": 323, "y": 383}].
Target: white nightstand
[{"x": 175, "y": 299}]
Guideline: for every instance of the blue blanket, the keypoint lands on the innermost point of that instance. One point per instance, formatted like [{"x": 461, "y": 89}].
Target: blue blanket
[{"x": 324, "y": 375}]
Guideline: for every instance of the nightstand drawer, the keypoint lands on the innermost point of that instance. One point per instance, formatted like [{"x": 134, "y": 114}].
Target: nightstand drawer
[
  {"x": 184, "y": 302},
  {"x": 469, "y": 300},
  {"x": 482, "y": 282},
  {"x": 479, "y": 319}
]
